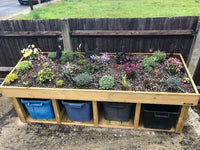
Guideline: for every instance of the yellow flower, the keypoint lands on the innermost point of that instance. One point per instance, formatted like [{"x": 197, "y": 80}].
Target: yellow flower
[
  {"x": 35, "y": 51},
  {"x": 33, "y": 46},
  {"x": 27, "y": 50},
  {"x": 22, "y": 51}
]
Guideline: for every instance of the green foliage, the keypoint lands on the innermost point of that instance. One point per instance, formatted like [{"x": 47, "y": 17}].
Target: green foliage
[
  {"x": 59, "y": 83},
  {"x": 78, "y": 52},
  {"x": 24, "y": 66},
  {"x": 67, "y": 56},
  {"x": 148, "y": 63},
  {"x": 71, "y": 68},
  {"x": 35, "y": 15},
  {"x": 106, "y": 82},
  {"x": 52, "y": 55},
  {"x": 25, "y": 84},
  {"x": 82, "y": 62},
  {"x": 45, "y": 65},
  {"x": 11, "y": 78},
  {"x": 93, "y": 68},
  {"x": 83, "y": 79},
  {"x": 44, "y": 75},
  {"x": 160, "y": 56},
  {"x": 148, "y": 68},
  {"x": 124, "y": 81},
  {"x": 173, "y": 83},
  {"x": 117, "y": 9}
]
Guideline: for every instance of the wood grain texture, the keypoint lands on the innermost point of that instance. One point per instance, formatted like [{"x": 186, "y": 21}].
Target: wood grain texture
[
  {"x": 129, "y": 32},
  {"x": 181, "y": 119},
  {"x": 19, "y": 109},
  {"x": 57, "y": 110},
  {"x": 137, "y": 115}
]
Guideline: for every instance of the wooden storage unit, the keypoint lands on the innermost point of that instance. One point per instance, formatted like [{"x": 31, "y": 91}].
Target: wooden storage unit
[{"x": 185, "y": 100}]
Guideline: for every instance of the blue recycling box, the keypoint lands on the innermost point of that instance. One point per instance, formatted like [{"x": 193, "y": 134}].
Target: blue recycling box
[
  {"x": 39, "y": 109},
  {"x": 78, "y": 111}
]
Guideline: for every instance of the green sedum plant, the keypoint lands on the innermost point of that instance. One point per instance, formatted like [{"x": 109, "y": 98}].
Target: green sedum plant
[
  {"x": 82, "y": 62},
  {"x": 149, "y": 63},
  {"x": 11, "y": 77},
  {"x": 44, "y": 75},
  {"x": 71, "y": 68},
  {"x": 159, "y": 55},
  {"x": 173, "y": 83},
  {"x": 106, "y": 82},
  {"x": 24, "y": 66},
  {"x": 67, "y": 56},
  {"x": 83, "y": 79},
  {"x": 59, "y": 83}
]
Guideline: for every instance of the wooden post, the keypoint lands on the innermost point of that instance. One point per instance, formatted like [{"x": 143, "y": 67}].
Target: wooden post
[
  {"x": 195, "y": 45},
  {"x": 182, "y": 118},
  {"x": 66, "y": 34},
  {"x": 95, "y": 113},
  {"x": 19, "y": 109},
  {"x": 137, "y": 115},
  {"x": 57, "y": 110}
]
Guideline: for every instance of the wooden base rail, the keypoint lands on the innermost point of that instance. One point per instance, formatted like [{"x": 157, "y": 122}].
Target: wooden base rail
[{"x": 97, "y": 120}]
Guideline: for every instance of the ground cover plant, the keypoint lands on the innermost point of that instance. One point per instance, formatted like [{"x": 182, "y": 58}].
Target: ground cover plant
[
  {"x": 103, "y": 71},
  {"x": 115, "y": 9}
]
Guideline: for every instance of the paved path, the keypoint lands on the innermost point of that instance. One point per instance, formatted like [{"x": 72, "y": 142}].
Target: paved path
[{"x": 10, "y": 6}]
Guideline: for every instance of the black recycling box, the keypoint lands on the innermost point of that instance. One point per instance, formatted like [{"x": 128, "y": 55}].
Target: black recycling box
[
  {"x": 117, "y": 111},
  {"x": 160, "y": 116}
]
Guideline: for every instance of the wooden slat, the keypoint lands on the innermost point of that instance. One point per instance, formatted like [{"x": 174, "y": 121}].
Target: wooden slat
[
  {"x": 57, "y": 110},
  {"x": 129, "y": 32},
  {"x": 137, "y": 115},
  {"x": 29, "y": 119},
  {"x": 181, "y": 119},
  {"x": 19, "y": 109},
  {"x": 66, "y": 34},
  {"x": 29, "y": 33},
  {"x": 95, "y": 113},
  {"x": 6, "y": 68}
]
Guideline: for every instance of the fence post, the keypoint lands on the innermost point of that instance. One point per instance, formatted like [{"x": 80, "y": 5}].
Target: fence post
[
  {"x": 194, "y": 51},
  {"x": 66, "y": 34}
]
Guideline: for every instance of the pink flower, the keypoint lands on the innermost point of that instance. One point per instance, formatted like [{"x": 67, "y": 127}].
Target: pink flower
[
  {"x": 182, "y": 83},
  {"x": 136, "y": 65},
  {"x": 126, "y": 63},
  {"x": 171, "y": 85},
  {"x": 132, "y": 65},
  {"x": 120, "y": 61},
  {"x": 139, "y": 60},
  {"x": 138, "y": 70}
]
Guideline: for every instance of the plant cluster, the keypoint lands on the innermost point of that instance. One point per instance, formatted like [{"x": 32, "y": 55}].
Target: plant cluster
[
  {"x": 24, "y": 66},
  {"x": 106, "y": 82},
  {"x": 78, "y": 51},
  {"x": 94, "y": 67},
  {"x": 173, "y": 65},
  {"x": 173, "y": 83},
  {"x": 11, "y": 77},
  {"x": 59, "y": 83},
  {"x": 67, "y": 56},
  {"x": 83, "y": 79},
  {"x": 30, "y": 52},
  {"x": 160, "y": 56},
  {"x": 70, "y": 68},
  {"x": 149, "y": 63},
  {"x": 82, "y": 62},
  {"x": 131, "y": 66},
  {"x": 44, "y": 75},
  {"x": 100, "y": 59}
]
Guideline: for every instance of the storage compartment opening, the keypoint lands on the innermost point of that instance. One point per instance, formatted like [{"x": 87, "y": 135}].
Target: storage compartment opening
[
  {"x": 80, "y": 111},
  {"x": 159, "y": 116},
  {"x": 116, "y": 111},
  {"x": 38, "y": 108}
]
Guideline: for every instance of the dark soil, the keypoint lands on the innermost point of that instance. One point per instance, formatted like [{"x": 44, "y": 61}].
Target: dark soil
[{"x": 153, "y": 81}]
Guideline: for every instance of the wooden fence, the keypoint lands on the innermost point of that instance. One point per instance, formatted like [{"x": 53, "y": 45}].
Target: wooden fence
[
  {"x": 196, "y": 76},
  {"x": 174, "y": 34}
]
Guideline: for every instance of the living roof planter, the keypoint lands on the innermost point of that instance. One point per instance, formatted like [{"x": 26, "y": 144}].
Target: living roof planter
[{"x": 139, "y": 97}]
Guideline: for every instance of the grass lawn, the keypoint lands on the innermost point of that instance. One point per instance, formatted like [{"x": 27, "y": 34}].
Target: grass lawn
[{"x": 116, "y": 9}]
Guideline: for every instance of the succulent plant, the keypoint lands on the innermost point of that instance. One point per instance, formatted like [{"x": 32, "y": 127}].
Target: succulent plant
[
  {"x": 83, "y": 79},
  {"x": 106, "y": 82},
  {"x": 24, "y": 66}
]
